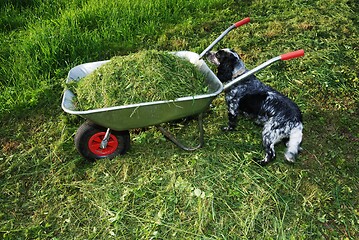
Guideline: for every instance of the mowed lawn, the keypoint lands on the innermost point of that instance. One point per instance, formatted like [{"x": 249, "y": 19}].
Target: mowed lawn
[{"x": 156, "y": 190}]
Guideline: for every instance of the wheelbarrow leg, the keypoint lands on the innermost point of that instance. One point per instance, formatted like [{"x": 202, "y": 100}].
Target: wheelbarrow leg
[
  {"x": 170, "y": 137},
  {"x": 104, "y": 142}
]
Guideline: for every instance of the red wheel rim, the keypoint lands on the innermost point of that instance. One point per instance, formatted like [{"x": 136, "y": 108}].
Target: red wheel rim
[{"x": 95, "y": 142}]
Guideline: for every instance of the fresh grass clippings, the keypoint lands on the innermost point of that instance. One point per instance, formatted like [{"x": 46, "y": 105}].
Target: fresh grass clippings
[
  {"x": 156, "y": 190},
  {"x": 145, "y": 76}
]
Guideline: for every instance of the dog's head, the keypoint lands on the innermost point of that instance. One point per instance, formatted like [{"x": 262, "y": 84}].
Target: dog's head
[{"x": 229, "y": 64}]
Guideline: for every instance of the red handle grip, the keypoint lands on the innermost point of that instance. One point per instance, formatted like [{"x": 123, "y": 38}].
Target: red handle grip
[
  {"x": 242, "y": 22},
  {"x": 295, "y": 54}
]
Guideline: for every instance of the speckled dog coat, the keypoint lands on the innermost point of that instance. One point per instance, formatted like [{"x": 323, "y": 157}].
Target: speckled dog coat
[{"x": 280, "y": 116}]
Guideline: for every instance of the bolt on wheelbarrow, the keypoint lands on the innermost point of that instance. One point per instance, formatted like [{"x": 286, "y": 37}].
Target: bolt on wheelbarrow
[{"x": 105, "y": 134}]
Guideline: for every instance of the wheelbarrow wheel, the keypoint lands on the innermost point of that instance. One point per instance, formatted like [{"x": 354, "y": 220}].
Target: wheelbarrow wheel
[{"x": 88, "y": 139}]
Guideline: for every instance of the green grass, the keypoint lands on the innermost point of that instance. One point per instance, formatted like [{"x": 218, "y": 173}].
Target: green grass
[{"x": 157, "y": 190}]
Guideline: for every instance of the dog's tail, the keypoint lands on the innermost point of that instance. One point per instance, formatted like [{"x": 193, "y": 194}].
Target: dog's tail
[{"x": 295, "y": 139}]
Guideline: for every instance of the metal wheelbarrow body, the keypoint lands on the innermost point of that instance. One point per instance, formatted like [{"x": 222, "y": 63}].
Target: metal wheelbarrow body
[{"x": 147, "y": 113}]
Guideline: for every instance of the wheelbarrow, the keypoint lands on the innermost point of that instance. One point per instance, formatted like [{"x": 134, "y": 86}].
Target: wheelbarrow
[{"x": 105, "y": 134}]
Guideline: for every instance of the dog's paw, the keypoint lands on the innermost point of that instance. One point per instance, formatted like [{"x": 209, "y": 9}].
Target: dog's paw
[
  {"x": 228, "y": 129},
  {"x": 261, "y": 162},
  {"x": 290, "y": 157}
]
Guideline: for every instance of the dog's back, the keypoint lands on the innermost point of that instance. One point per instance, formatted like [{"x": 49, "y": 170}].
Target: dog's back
[{"x": 262, "y": 102}]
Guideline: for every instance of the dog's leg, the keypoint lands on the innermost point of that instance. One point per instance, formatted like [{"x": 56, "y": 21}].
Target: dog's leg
[
  {"x": 294, "y": 142},
  {"x": 270, "y": 154},
  {"x": 232, "y": 106},
  {"x": 232, "y": 122},
  {"x": 269, "y": 137},
  {"x": 269, "y": 150}
]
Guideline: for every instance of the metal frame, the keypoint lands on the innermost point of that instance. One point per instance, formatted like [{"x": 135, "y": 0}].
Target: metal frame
[{"x": 174, "y": 140}]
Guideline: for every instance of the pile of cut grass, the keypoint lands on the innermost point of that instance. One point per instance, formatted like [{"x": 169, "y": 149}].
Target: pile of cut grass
[{"x": 145, "y": 76}]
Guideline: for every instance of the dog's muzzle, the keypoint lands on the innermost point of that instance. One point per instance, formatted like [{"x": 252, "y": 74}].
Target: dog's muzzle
[{"x": 211, "y": 57}]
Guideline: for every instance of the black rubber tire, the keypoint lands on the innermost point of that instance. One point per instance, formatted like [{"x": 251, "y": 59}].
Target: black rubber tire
[{"x": 84, "y": 145}]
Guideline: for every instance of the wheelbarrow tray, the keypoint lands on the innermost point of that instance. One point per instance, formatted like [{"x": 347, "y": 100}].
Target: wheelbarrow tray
[{"x": 147, "y": 113}]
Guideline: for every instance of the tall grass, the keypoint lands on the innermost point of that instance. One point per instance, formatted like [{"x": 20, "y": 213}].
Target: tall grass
[
  {"x": 157, "y": 191},
  {"x": 39, "y": 53}
]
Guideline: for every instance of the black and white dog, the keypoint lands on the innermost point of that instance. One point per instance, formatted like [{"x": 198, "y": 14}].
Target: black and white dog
[{"x": 280, "y": 116}]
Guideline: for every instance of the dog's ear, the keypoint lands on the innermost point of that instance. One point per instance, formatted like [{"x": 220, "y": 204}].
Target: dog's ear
[
  {"x": 224, "y": 72},
  {"x": 227, "y": 64}
]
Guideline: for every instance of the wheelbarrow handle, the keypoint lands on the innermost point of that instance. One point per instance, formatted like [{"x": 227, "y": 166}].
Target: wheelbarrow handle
[
  {"x": 224, "y": 33},
  {"x": 242, "y": 22},
  {"x": 286, "y": 56},
  {"x": 291, "y": 55}
]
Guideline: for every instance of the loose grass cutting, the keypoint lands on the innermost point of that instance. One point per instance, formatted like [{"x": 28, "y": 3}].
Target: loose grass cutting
[
  {"x": 153, "y": 189},
  {"x": 106, "y": 133}
]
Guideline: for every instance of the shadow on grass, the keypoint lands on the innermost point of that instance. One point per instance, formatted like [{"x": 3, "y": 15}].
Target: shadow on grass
[{"x": 331, "y": 137}]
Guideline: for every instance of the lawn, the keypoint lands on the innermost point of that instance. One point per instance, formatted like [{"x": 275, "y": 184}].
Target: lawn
[{"x": 156, "y": 190}]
